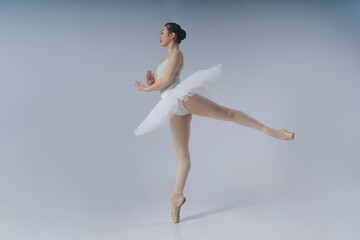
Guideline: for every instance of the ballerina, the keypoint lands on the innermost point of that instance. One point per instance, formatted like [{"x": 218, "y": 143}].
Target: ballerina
[{"x": 181, "y": 99}]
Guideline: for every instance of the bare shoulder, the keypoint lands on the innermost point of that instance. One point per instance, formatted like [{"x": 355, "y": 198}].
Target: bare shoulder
[{"x": 178, "y": 54}]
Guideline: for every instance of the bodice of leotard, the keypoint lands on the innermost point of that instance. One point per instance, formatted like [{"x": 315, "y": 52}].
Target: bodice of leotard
[{"x": 161, "y": 71}]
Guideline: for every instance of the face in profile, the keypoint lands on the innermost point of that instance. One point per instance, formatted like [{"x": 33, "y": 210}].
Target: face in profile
[{"x": 164, "y": 37}]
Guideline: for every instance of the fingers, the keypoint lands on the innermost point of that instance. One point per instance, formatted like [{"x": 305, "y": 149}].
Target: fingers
[
  {"x": 139, "y": 84},
  {"x": 150, "y": 78}
]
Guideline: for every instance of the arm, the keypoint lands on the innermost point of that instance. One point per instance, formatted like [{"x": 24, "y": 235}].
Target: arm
[
  {"x": 162, "y": 82},
  {"x": 171, "y": 69}
]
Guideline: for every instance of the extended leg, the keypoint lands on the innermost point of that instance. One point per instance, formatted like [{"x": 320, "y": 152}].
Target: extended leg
[{"x": 203, "y": 106}]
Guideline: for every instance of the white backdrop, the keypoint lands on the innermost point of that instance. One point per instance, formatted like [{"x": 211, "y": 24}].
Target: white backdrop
[{"x": 71, "y": 167}]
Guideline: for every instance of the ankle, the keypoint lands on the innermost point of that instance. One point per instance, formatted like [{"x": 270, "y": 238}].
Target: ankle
[{"x": 178, "y": 192}]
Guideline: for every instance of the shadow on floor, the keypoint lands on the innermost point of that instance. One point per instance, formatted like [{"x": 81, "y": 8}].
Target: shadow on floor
[{"x": 214, "y": 211}]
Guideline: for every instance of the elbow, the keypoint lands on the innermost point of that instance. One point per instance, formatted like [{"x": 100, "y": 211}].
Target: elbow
[{"x": 167, "y": 81}]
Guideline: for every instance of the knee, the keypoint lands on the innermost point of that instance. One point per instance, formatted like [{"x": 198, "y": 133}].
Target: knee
[
  {"x": 183, "y": 156},
  {"x": 229, "y": 114}
]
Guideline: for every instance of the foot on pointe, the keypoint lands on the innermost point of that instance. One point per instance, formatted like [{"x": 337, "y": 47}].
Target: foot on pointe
[
  {"x": 177, "y": 200},
  {"x": 278, "y": 133}
]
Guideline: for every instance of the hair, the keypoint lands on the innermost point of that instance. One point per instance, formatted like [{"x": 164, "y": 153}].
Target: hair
[{"x": 175, "y": 28}]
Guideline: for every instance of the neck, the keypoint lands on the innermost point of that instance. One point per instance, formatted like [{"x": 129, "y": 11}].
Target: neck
[{"x": 172, "y": 46}]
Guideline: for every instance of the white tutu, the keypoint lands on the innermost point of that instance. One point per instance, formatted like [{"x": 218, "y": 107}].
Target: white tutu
[{"x": 195, "y": 83}]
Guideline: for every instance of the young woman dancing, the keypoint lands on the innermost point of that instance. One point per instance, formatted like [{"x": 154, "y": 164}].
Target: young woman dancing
[{"x": 181, "y": 99}]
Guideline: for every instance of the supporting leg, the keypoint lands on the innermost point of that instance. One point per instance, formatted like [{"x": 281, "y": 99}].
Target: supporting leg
[{"x": 180, "y": 129}]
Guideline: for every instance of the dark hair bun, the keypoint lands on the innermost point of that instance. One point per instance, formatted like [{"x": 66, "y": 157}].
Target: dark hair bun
[
  {"x": 174, "y": 27},
  {"x": 182, "y": 35}
]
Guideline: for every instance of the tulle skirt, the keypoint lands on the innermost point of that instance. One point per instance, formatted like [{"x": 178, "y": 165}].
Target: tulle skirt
[{"x": 197, "y": 82}]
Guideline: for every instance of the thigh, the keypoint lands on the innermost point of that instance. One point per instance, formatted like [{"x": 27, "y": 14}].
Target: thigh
[
  {"x": 180, "y": 130},
  {"x": 203, "y": 106}
]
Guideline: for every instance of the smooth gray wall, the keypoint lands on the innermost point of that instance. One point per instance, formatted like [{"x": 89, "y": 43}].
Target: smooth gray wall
[{"x": 69, "y": 107}]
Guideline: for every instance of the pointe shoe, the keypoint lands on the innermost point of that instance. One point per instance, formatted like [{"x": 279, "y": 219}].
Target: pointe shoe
[
  {"x": 287, "y": 135},
  {"x": 177, "y": 201}
]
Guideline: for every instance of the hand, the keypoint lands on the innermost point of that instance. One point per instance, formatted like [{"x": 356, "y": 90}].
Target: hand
[
  {"x": 149, "y": 79},
  {"x": 141, "y": 86}
]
